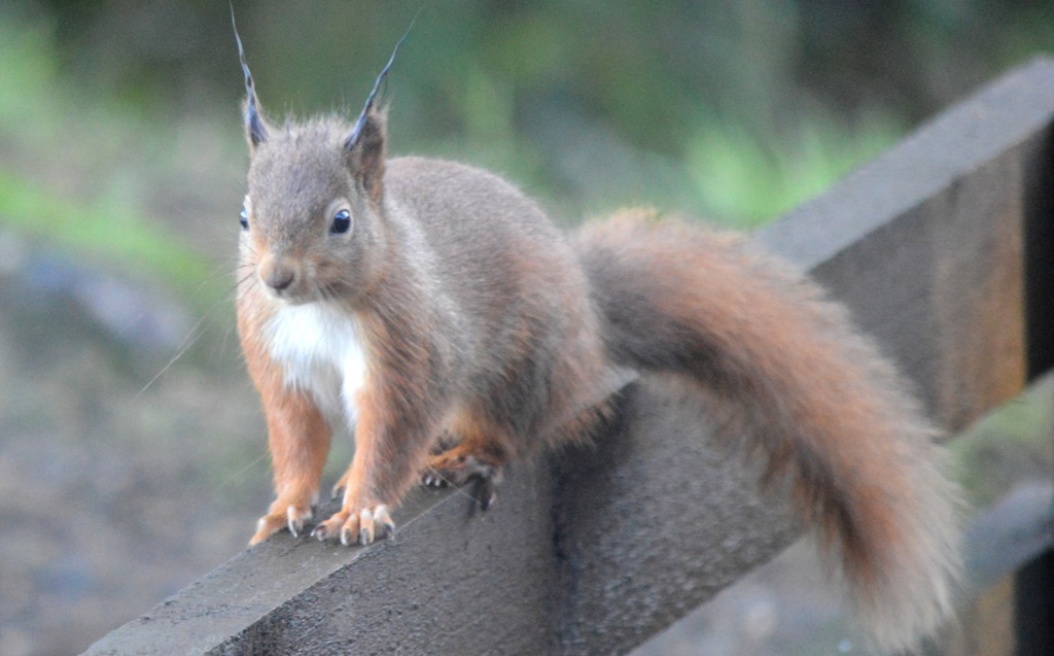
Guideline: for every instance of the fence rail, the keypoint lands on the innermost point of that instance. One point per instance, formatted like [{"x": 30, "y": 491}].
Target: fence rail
[{"x": 944, "y": 249}]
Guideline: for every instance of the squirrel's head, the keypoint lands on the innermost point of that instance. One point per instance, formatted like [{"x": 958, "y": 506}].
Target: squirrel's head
[{"x": 312, "y": 225}]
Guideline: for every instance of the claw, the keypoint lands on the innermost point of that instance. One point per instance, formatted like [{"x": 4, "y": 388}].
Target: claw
[
  {"x": 434, "y": 480},
  {"x": 381, "y": 516},
  {"x": 295, "y": 520},
  {"x": 486, "y": 495},
  {"x": 453, "y": 468},
  {"x": 281, "y": 515},
  {"x": 261, "y": 531},
  {"x": 365, "y": 527}
]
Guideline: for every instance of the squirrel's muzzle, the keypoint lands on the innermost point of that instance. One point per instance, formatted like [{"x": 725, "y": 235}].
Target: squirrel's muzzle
[{"x": 279, "y": 275}]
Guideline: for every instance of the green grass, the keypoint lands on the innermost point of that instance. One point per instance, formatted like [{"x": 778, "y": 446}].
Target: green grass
[
  {"x": 51, "y": 130},
  {"x": 752, "y": 178},
  {"x": 111, "y": 153},
  {"x": 1010, "y": 444},
  {"x": 107, "y": 233}
]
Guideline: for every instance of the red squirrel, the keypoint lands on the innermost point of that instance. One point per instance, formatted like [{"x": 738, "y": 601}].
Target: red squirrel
[{"x": 420, "y": 301}]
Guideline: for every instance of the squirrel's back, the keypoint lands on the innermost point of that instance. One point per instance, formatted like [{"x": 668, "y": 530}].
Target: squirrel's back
[
  {"x": 487, "y": 241},
  {"x": 516, "y": 289}
]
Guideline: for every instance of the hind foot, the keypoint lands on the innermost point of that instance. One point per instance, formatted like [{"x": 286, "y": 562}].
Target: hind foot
[{"x": 458, "y": 467}]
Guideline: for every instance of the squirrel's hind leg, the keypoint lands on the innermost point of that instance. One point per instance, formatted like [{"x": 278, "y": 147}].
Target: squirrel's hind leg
[{"x": 459, "y": 467}]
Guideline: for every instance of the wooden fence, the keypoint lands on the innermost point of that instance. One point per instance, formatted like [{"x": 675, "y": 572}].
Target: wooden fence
[{"x": 944, "y": 249}]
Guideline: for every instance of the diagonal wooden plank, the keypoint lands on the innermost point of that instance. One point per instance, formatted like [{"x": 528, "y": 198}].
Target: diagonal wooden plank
[{"x": 449, "y": 582}]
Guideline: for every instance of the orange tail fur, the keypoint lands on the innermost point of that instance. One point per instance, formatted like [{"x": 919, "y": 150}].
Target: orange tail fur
[{"x": 803, "y": 387}]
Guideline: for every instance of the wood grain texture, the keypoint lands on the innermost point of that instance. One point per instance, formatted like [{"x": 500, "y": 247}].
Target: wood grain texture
[{"x": 930, "y": 245}]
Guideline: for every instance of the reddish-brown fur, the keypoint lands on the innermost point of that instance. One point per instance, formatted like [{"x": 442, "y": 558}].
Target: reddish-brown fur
[{"x": 480, "y": 321}]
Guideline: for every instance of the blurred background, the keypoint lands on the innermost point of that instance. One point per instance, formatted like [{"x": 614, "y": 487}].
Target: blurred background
[{"x": 132, "y": 452}]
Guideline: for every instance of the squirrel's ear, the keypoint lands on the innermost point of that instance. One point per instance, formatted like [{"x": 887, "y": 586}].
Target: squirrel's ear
[
  {"x": 365, "y": 145},
  {"x": 365, "y": 149},
  {"x": 255, "y": 126}
]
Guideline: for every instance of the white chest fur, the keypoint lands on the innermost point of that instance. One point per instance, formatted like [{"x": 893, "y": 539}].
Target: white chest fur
[{"x": 321, "y": 352}]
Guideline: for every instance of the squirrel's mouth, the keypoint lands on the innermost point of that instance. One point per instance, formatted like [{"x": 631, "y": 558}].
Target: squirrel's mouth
[
  {"x": 292, "y": 297},
  {"x": 303, "y": 293}
]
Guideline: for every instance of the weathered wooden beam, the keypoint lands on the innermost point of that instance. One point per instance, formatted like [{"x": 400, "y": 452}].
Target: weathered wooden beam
[
  {"x": 929, "y": 245},
  {"x": 1008, "y": 559},
  {"x": 452, "y": 581},
  {"x": 655, "y": 521}
]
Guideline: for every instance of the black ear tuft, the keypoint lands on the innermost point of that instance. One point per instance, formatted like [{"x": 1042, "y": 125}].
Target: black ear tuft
[
  {"x": 360, "y": 123},
  {"x": 254, "y": 124},
  {"x": 365, "y": 158},
  {"x": 364, "y": 147}
]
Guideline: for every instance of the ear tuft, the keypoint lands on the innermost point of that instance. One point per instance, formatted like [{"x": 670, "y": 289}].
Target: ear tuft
[
  {"x": 366, "y": 153},
  {"x": 255, "y": 130},
  {"x": 367, "y": 109},
  {"x": 365, "y": 145}
]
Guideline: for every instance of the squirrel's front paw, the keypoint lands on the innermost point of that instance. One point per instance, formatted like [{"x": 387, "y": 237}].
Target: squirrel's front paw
[
  {"x": 281, "y": 515},
  {"x": 360, "y": 527}
]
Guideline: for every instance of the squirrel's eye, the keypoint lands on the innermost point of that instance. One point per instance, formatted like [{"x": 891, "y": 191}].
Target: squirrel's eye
[
  {"x": 244, "y": 219},
  {"x": 341, "y": 222}
]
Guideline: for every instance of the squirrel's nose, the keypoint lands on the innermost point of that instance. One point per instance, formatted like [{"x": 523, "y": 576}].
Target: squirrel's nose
[
  {"x": 280, "y": 279},
  {"x": 277, "y": 274}
]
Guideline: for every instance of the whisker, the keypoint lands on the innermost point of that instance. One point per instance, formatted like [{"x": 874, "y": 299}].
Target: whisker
[
  {"x": 234, "y": 477},
  {"x": 191, "y": 338}
]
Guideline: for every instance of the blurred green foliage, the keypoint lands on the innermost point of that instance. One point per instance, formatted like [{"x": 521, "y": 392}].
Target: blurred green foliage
[
  {"x": 57, "y": 178},
  {"x": 735, "y": 109}
]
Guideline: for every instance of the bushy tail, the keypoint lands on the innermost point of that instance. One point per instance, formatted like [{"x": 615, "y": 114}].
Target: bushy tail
[{"x": 801, "y": 386}]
